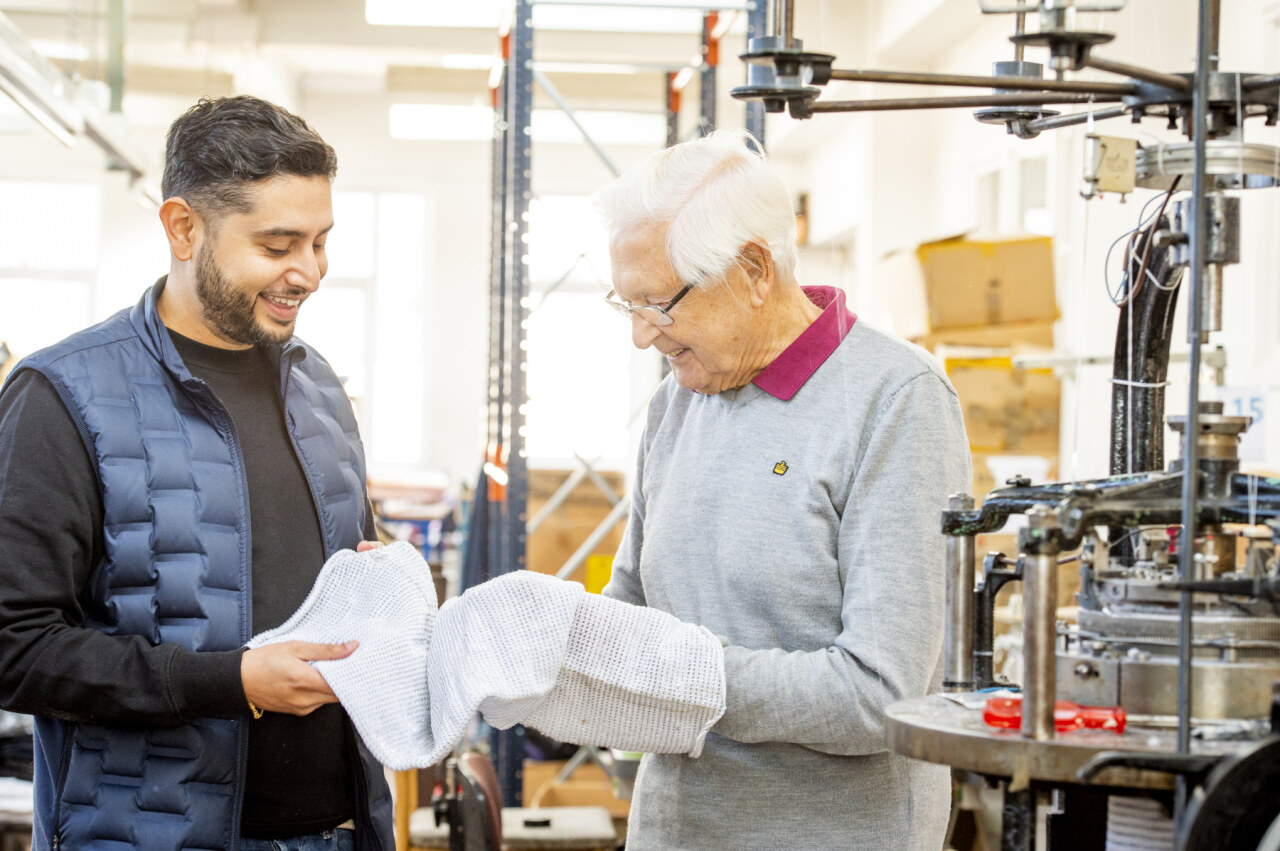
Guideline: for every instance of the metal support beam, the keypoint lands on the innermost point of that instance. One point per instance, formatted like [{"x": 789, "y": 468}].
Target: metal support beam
[
  {"x": 507, "y": 746},
  {"x": 756, "y": 23},
  {"x": 37, "y": 85},
  {"x": 710, "y": 59},
  {"x": 116, "y": 17},
  {"x": 671, "y": 97},
  {"x": 618, "y": 515},
  {"x": 1206, "y": 50},
  {"x": 554, "y": 94}
]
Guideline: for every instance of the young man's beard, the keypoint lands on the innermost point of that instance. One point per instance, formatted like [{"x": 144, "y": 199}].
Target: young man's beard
[{"x": 230, "y": 312}]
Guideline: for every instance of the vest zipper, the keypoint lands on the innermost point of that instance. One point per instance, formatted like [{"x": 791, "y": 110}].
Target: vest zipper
[
  {"x": 68, "y": 744},
  {"x": 246, "y": 631},
  {"x": 330, "y": 546},
  {"x": 223, "y": 422}
]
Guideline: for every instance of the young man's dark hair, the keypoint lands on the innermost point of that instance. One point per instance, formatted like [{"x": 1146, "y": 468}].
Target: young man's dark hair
[{"x": 221, "y": 144}]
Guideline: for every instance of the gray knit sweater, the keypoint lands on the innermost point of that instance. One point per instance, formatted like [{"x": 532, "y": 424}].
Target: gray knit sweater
[{"x": 805, "y": 533}]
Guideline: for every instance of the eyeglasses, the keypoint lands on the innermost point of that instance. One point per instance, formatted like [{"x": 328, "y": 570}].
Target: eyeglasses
[{"x": 649, "y": 312}]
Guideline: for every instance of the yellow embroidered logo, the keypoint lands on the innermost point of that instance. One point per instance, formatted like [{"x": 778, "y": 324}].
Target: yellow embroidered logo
[{"x": 780, "y": 468}]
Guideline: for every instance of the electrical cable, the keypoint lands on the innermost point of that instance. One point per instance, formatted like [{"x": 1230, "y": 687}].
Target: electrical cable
[{"x": 1127, "y": 290}]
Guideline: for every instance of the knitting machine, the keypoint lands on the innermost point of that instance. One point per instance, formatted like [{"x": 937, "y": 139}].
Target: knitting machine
[{"x": 1153, "y": 721}]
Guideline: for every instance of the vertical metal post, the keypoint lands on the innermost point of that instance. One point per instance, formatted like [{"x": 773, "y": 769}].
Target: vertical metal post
[
  {"x": 757, "y": 21},
  {"x": 508, "y": 745},
  {"x": 957, "y": 654},
  {"x": 497, "y": 314},
  {"x": 710, "y": 59},
  {"x": 787, "y": 23},
  {"x": 116, "y": 15},
  {"x": 671, "y": 100},
  {"x": 1207, "y": 33},
  {"x": 1039, "y": 624}
]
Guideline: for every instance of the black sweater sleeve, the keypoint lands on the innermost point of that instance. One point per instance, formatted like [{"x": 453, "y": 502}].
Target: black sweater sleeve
[{"x": 51, "y": 521}]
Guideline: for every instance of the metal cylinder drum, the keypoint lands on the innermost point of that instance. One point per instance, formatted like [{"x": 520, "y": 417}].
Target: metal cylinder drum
[{"x": 957, "y": 672}]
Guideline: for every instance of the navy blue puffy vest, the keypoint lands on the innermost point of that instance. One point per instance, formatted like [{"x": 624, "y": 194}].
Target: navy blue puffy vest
[{"x": 177, "y": 569}]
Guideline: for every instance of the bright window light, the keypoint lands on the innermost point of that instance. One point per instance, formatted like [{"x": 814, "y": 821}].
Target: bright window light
[
  {"x": 606, "y": 128},
  {"x": 567, "y": 244},
  {"x": 28, "y": 323},
  {"x": 29, "y": 242},
  {"x": 334, "y": 322},
  {"x": 350, "y": 248},
  {"x": 568, "y": 250},
  {"x": 454, "y": 123},
  {"x": 400, "y": 381},
  {"x": 438, "y": 122},
  {"x": 577, "y": 380}
]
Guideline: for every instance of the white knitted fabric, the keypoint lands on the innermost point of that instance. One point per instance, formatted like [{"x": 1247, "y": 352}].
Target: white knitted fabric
[
  {"x": 523, "y": 648},
  {"x": 383, "y": 598}
]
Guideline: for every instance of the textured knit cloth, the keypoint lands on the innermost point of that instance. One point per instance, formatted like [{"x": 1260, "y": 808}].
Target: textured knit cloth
[
  {"x": 805, "y": 533},
  {"x": 522, "y": 649}
]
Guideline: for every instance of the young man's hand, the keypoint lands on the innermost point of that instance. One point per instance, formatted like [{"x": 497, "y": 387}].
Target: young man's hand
[{"x": 277, "y": 678}]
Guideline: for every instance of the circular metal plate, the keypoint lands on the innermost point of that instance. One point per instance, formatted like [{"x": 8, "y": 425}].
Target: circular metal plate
[
  {"x": 936, "y": 729},
  {"x": 1230, "y": 165}
]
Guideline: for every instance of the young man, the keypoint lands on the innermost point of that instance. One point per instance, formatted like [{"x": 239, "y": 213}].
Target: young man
[{"x": 171, "y": 482}]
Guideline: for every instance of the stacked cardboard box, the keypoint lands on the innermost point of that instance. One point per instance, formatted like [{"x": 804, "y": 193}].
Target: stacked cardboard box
[{"x": 975, "y": 303}]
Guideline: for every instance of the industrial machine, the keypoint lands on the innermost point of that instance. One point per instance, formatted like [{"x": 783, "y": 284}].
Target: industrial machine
[{"x": 1153, "y": 721}]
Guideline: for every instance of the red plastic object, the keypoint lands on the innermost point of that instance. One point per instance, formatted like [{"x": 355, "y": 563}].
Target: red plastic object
[{"x": 1006, "y": 713}]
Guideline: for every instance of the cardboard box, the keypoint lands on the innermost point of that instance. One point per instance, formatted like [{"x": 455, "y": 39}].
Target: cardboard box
[
  {"x": 1006, "y": 411},
  {"x": 967, "y": 284},
  {"x": 587, "y": 786},
  {"x": 1020, "y": 337},
  {"x": 972, "y": 282},
  {"x": 560, "y": 535}
]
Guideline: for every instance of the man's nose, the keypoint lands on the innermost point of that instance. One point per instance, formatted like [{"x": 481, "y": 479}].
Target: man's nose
[
  {"x": 307, "y": 270},
  {"x": 643, "y": 332}
]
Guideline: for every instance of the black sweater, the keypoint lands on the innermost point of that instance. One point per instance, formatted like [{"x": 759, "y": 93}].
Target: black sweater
[{"x": 301, "y": 769}]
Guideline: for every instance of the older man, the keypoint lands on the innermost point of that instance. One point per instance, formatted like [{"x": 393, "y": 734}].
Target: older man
[{"x": 787, "y": 497}]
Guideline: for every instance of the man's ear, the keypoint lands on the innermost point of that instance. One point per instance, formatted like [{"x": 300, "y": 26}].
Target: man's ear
[
  {"x": 757, "y": 262},
  {"x": 181, "y": 226}
]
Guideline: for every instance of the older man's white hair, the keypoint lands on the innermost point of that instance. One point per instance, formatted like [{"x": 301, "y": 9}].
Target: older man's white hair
[{"x": 716, "y": 194}]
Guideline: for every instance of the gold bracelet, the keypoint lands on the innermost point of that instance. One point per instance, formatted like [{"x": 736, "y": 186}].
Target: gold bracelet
[{"x": 257, "y": 713}]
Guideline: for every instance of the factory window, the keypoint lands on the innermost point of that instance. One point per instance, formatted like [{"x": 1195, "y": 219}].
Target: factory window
[
  {"x": 378, "y": 279},
  {"x": 46, "y": 274},
  {"x": 1033, "y": 191},
  {"x": 579, "y": 354}
]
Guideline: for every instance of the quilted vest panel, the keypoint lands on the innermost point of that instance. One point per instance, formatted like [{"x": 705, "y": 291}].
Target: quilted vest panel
[{"x": 176, "y": 569}]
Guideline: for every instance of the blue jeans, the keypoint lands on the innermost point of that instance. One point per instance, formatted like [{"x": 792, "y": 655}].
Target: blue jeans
[{"x": 329, "y": 840}]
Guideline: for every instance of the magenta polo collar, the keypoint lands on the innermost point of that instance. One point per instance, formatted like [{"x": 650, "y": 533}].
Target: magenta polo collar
[{"x": 790, "y": 370}]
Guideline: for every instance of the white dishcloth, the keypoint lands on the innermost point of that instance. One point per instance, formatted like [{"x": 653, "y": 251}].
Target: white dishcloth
[{"x": 524, "y": 648}]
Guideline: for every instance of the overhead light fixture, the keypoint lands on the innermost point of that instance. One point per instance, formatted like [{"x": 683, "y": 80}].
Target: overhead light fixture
[{"x": 481, "y": 14}]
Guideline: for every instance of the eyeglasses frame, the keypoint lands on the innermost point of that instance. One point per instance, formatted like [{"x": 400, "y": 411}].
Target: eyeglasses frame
[{"x": 655, "y": 314}]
